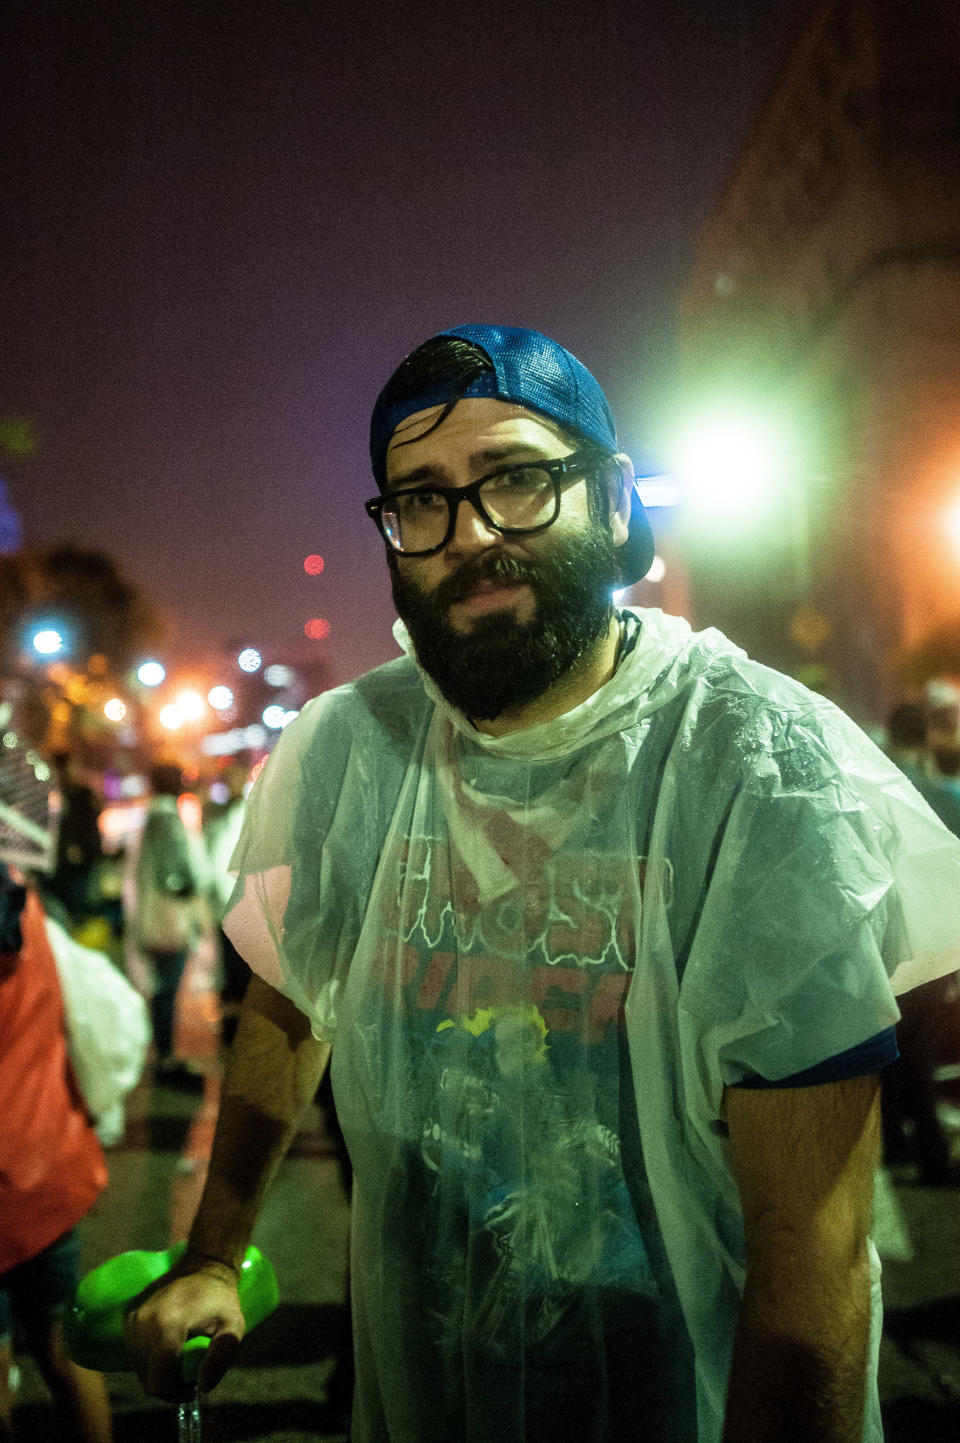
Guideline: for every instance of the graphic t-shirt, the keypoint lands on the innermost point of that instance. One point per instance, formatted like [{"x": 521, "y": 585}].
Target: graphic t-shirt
[
  {"x": 542, "y": 958},
  {"x": 484, "y": 1088},
  {"x": 490, "y": 1051}
]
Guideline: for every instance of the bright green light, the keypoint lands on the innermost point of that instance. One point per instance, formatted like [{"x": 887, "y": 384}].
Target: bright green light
[{"x": 734, "y": 466}]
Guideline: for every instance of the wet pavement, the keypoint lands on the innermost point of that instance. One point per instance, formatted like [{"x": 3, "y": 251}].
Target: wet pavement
[{"x": 288, "y": 1382}]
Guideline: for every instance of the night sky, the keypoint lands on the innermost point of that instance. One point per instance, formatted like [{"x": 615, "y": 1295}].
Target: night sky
[{"x": 224, "y": 225}]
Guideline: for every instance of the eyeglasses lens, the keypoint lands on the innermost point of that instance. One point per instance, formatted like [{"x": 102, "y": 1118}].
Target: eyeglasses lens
[{"x": 521, "y": 500}]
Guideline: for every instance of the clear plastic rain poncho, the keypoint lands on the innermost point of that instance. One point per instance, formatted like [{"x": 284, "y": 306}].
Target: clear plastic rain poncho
[{"x": 541, "y": 958}]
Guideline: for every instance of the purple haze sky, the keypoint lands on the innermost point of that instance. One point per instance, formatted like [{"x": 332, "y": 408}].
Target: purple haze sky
[{"x": 226, "y": 223}]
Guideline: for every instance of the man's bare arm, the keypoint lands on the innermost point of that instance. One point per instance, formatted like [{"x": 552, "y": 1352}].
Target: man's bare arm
[
  {"x": 804, "y": 1161},
  {"x": 273, "y": 1072},
  {"x": 274, "y": 1068}
]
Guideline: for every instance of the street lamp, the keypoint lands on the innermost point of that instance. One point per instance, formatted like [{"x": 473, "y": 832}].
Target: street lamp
[
  {"x": 741, "y": 470},
  {"x": 191, "y": 705},
  {"x": 733, "y": 463},
  {"x": 151, "y": 673},
  {"x": 47, "y": 641}
]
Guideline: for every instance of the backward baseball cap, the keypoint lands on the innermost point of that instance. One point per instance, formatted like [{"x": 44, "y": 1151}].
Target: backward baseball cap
[{"x": 534, "y": 371}]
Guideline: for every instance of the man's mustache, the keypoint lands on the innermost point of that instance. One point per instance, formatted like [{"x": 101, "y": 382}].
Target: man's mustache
[{"x": 499, "y": 567}]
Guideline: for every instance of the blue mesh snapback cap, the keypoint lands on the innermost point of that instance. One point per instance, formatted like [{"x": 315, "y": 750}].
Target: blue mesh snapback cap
[{"x": 531, "y": 370}]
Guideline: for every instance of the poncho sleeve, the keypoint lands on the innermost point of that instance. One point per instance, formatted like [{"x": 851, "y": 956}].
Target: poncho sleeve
[
  {"x": 312, "y": 837},
  {"x": 265, "y": 860},
  {"x": 833, "y": 888}
]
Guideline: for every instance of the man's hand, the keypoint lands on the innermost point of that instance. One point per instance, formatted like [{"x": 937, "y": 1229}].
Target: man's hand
[
  {"x": 191, "y": 1299},
  {"x": 273, "y": 1071}
]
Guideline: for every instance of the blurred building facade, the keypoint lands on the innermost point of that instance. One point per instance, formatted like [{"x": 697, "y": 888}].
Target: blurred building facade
[{"x": 827, "y": 283}]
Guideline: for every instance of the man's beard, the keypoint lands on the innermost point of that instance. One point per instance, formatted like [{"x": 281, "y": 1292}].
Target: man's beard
[{"x": 499, "y": 663}]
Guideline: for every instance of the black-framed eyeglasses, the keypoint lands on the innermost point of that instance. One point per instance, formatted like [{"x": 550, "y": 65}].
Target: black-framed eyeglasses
[{"x": 516, "y": 500}]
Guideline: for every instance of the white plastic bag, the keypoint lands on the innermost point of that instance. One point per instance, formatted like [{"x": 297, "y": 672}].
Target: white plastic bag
[{"x": 108, "y": 1029}]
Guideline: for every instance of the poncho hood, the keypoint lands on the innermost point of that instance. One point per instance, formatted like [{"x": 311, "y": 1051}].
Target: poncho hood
[{"x": 648, "y": 677}]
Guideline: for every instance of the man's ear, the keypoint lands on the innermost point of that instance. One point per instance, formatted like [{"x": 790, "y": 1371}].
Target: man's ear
[{"x": 621, "y": 497}]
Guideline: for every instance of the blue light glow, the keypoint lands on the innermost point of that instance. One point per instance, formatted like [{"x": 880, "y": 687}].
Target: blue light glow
[
  {"x": 48, "y": 641},
  {"x": 150, "y": 673}
]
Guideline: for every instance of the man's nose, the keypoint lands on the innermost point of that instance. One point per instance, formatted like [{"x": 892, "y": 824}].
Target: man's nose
[{"x": 471, "y": 533}]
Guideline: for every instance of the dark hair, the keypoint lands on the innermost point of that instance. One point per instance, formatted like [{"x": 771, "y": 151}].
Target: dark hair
[
  {"x": 440, "y": 362},
  {"x": 453, "y": 364},
  {"x": 907, "y": 725},
  {"x": 444, "y": 362},
  {"x": 166, "y": 780}
]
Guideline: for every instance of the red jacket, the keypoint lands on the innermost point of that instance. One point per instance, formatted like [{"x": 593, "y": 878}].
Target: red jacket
[{"x": 51, "y": 1165}]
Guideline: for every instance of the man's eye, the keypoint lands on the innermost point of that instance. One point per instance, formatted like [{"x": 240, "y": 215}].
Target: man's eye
[
  {"x": 524, "y": 478},
  {"x": 418, "y": 503}
]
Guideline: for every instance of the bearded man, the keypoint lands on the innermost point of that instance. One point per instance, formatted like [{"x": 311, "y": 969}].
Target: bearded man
[{"x": 604, "y": 923}]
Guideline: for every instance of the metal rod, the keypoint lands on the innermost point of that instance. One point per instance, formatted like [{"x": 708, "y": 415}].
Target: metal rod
[{"x": 188, "y": 1421}]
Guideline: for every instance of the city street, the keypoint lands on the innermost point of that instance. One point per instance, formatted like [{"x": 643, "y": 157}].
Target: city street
[
  {"x": 533, "y": 436},
  {"x": 288, "y": 1385}
]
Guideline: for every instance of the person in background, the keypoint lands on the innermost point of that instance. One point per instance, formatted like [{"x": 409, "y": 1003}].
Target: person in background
[
  {"x": 168, "y": 910},
  {"x": 912, "y": 1131},
  {"x": 947, "y": 759},
  {"x": 907, "y": 747},
  {"x": 221, "y": 831},
  {"x": 79, "y": 847},
  {"x": 52, "y": 1168}
]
